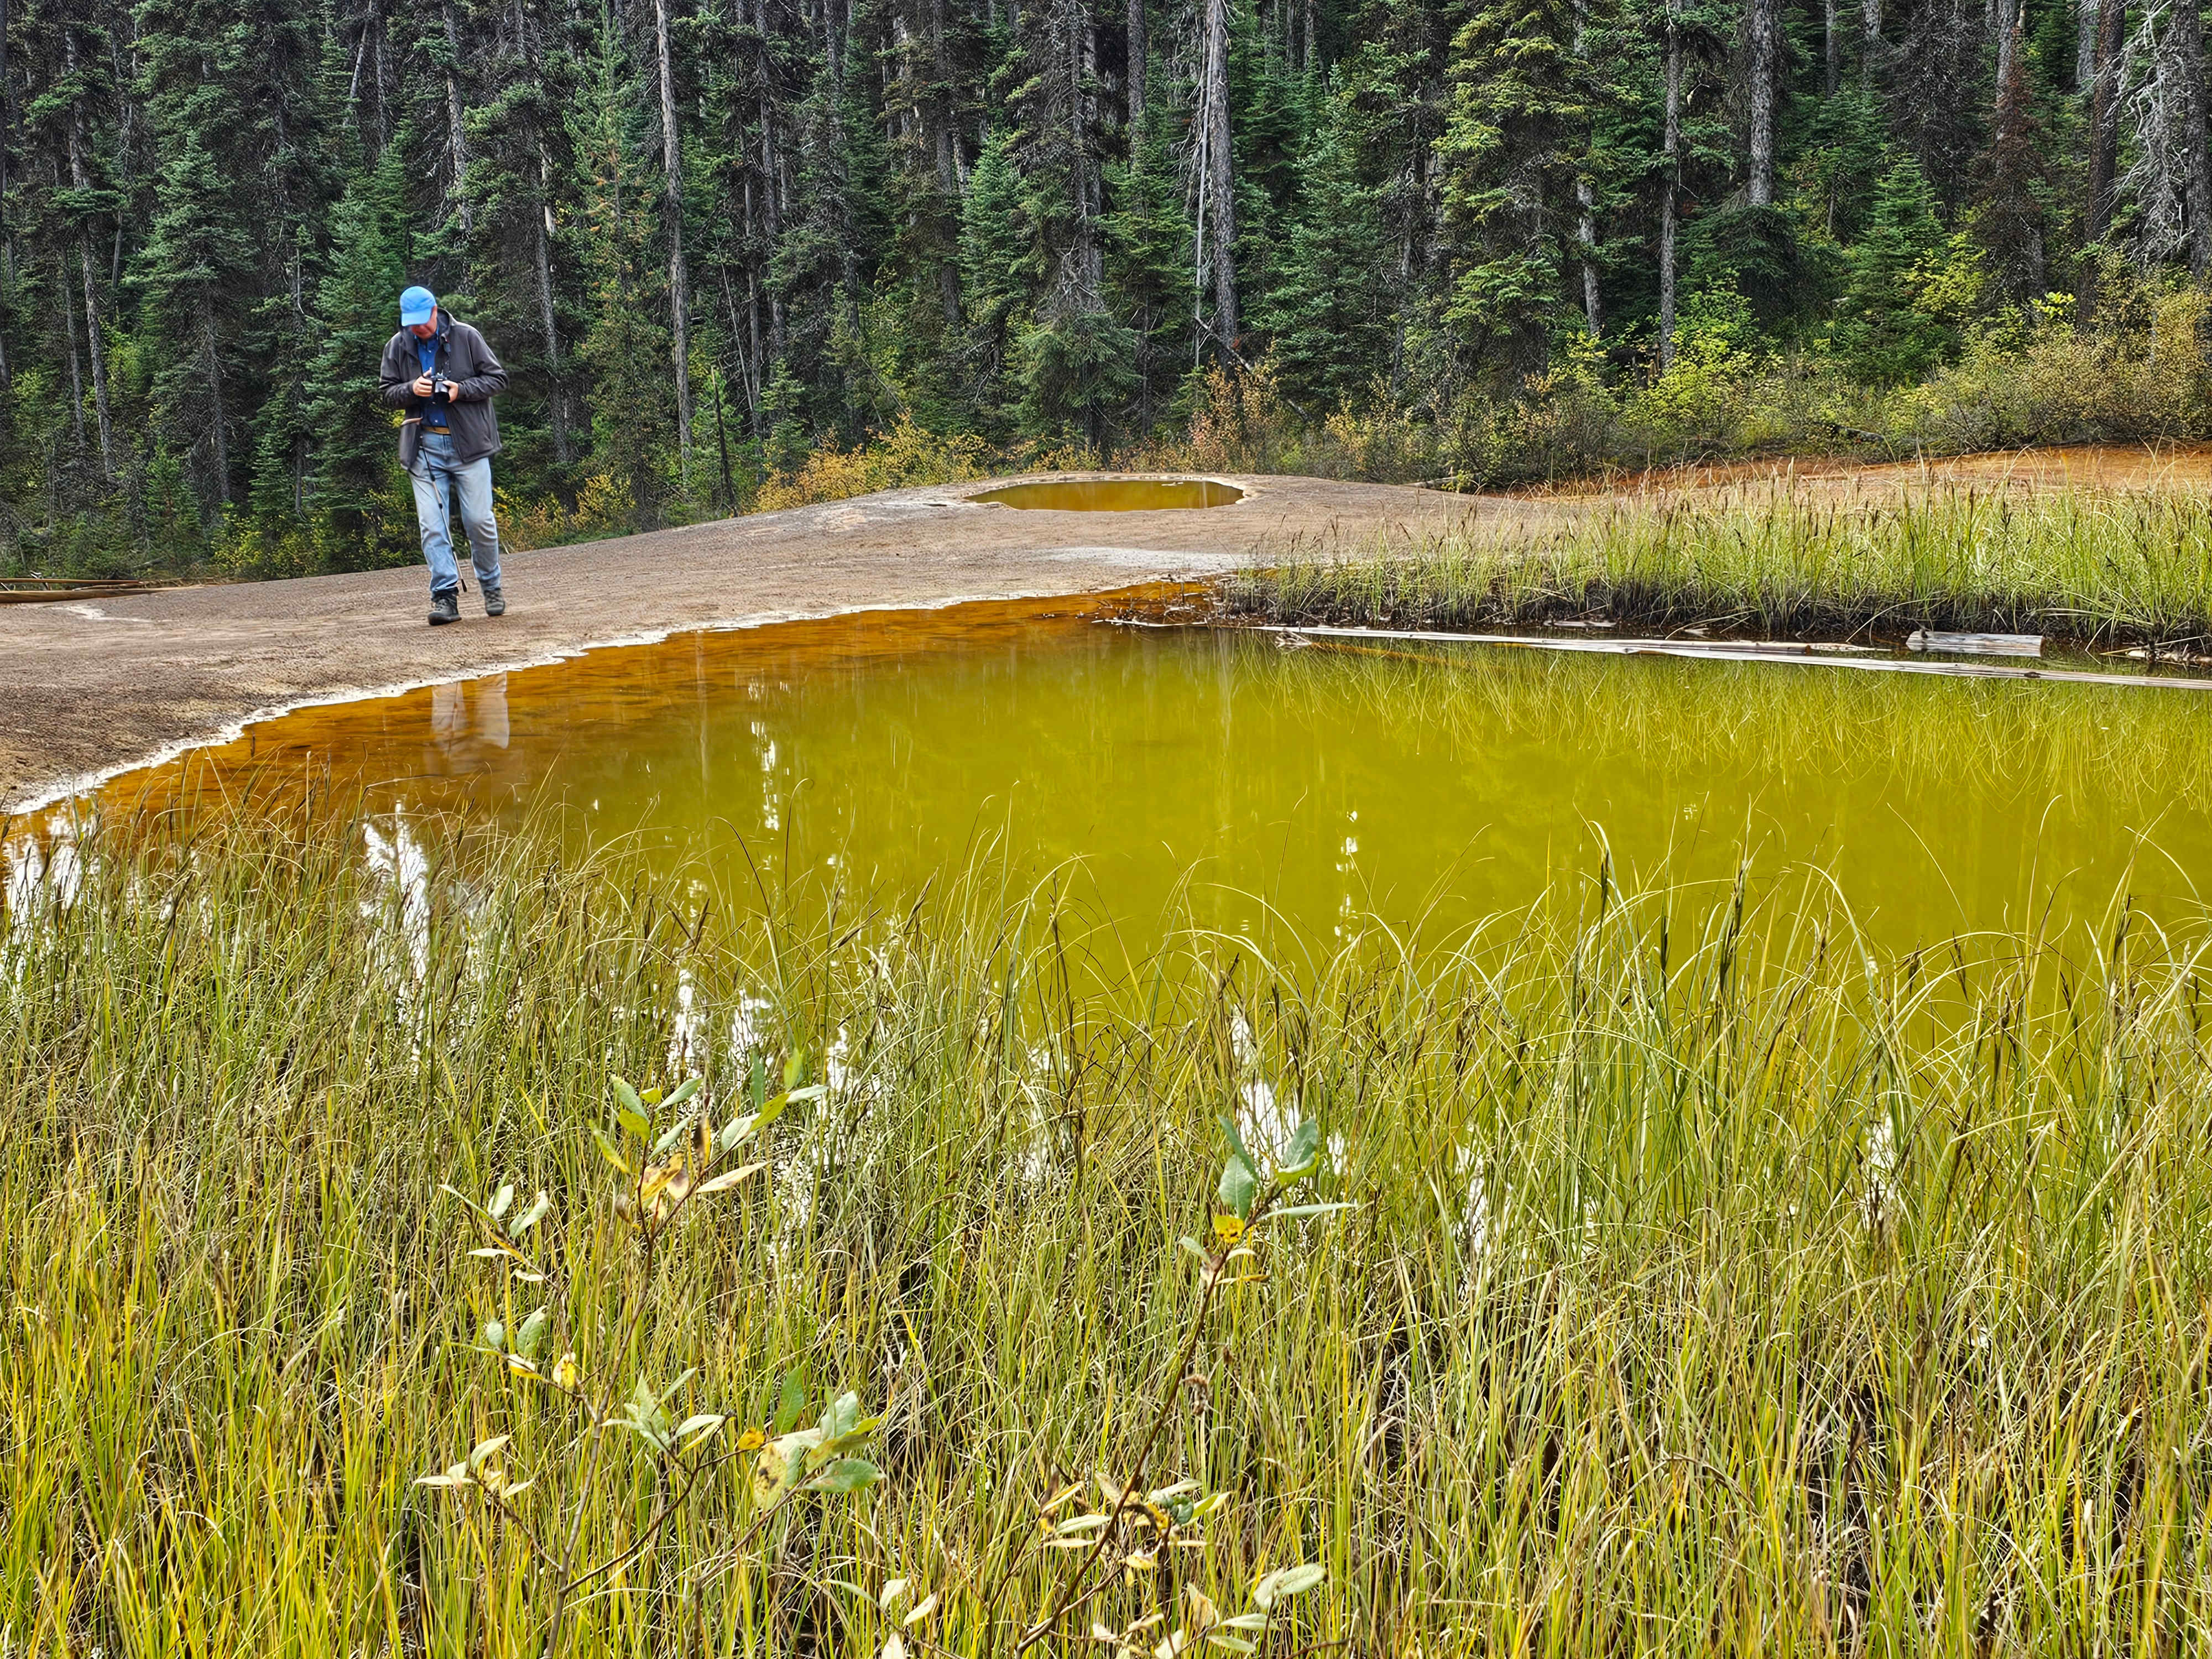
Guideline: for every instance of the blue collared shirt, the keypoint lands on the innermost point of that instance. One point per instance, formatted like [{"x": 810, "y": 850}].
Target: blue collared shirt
[{"x": 434, "y": 414}]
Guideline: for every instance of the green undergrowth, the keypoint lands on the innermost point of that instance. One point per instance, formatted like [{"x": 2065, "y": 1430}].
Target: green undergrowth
[
  {"x": 2096, "y": 570},
  {"x": 1711, "y": 1282}
]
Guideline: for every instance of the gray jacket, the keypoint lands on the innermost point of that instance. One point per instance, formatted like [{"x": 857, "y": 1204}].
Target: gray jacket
[{"x": 466, "y": 360}]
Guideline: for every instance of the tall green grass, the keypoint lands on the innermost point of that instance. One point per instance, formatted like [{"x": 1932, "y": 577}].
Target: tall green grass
[
  {"x": 2101, "y": 570},
  {"x": 1717, "y": 1284}
]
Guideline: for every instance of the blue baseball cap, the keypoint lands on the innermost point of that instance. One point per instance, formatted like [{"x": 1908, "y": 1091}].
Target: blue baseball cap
[{"x": 416, "y": 304}]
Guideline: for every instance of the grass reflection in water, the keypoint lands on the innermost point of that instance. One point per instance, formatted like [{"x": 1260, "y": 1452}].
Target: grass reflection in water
[{"x": 1275, "y": 793}]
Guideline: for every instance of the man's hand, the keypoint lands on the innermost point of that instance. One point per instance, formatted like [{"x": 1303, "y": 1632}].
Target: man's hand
[{"x": 424, "y": 385}]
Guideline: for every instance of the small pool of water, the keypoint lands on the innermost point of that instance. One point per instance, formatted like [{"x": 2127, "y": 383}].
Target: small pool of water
[
  {"x": 1174, "y": 776},
  {"x": 1115, "y": 494}
]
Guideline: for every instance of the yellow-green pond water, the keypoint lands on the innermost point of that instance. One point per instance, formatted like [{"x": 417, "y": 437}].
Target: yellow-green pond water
[{"x": 1220, "y": 779}]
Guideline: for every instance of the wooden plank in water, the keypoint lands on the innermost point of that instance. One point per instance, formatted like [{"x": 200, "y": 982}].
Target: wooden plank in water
[
  {"x": 1802, "y": 656},
  {"x": 1976, "y": 645}
]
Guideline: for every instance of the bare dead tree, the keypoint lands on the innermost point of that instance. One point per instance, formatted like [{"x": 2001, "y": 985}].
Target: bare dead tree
[
  {"x": 679, "y": 276},
  {"x": 1586, "y": 205},
  {"x": 1138, "y": 49},
  {"x": 1219, "y": 187},
  {"x": 1764, "y": 59},
  {"x": 2103, "y": 148},
  {"x": 2187, "y": 31}
]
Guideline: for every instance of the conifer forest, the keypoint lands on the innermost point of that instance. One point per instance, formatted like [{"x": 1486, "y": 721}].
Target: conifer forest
[{"x": 737, "y": 252}]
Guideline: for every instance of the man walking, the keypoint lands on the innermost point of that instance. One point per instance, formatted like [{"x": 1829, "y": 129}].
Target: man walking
[{"x": 444, "y": 375}]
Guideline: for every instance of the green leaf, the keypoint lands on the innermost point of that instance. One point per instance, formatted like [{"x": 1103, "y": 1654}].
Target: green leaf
[
  {"x": 848, "y": 1474},
  {"x": 1303, "y": 1157},
  {"x": 486, "y": 1448},
  {"x": 842, "y": 1418},
  {"x": 532, "y": 1333},
  {"x": 1285, "y": 1582},
  {"x": 794, "y": 1069},
  {"x": 1294, "y": 1210},
  {"x": 494, "y": 1336},
  {"x": 635, "y": 1122},
  {"x": 791, "y": 1402},
  {"x": 500, "y": 1200},
  {"x": 669, "y": 1137},
  {"x": 771, "y": 1109},
  {"x": 756, "y": 1085},
  {"x": 1193, "y": 1245},
  {"x": 606, "y": 1145},
  {"x": 1240, "y": 1185},
  {"x": 530, "y": 1216},
  {"x": 734, "y": 1132},
  {"x": 701, "y": 1424},
  {"x": 728, "y": 1179},
  {"x": 626, "y": 1097},
  {"x": 1237, "y": 1141},
  {"x": 685, "y": 1090}
]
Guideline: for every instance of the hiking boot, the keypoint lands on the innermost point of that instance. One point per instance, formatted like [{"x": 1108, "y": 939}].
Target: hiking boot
[
  {"x": 495, "y": 601},
  {"x": 445, "y": 607}
]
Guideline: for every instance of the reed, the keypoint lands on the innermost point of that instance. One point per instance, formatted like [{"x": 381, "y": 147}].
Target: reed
[
  {"x": 1715, "y": 1283},
  {"x": 2101, "y": 570}
]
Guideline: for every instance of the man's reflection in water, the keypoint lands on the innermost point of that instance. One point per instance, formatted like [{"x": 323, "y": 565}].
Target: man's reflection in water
[{"x": 467, "y": 720}]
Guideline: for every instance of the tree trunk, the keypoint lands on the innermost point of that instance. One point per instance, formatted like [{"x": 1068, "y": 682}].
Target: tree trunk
[
  {"x": 2085, "y": 43},
  {"x": 98, "y": 354},
  {"x": 1831, "y": 46},
  {"x": 1671, "y": 147},
  {"x": 772, "y": 183},
  {"x": 2008, "y": 13},
  {"x": 1220, "y": 175},
  {"x": 1765, "y": 24},
  {"x": 679, "y": 277},
  {"x": 942, "y": 115},
  {"x": 2197, "y": 157},
  {"x": 1585, "y": 206},
  {"x": 77, "y": 364},
  {"x": 458, "y": 148},
  {"x": 557, "y": 393},
  {"x": 211, "y": 366},
  {"x": 1869, "y": 38},
  {"x": 1083, "y": 62},
  {"x": 1138, "y": 48},
  {"x": 95, "y": 342},
  {"x": 2104, "y": 149},
  {"x": 7, "y": 149}
]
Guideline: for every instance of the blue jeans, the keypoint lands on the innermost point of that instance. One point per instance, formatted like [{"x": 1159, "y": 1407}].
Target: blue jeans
[{"x": 437, "y": 479}]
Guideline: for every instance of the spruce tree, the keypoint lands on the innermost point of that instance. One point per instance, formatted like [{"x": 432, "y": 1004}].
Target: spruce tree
[
  {"x": 625, "y": 345},
  {"x": 999, "y": 264},
  {"x": 1885, "y": 329},
  {"x": 1149, "y": 282},
  {"x": 356, "y": 476},
  {"x": 1329, "y": 313},
  {"x": 1520, "y": 117}
]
